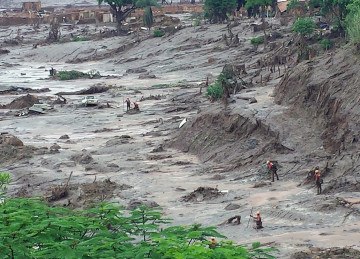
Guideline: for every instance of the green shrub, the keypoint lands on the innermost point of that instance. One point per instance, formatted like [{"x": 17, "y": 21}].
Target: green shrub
[
  {"x": 257, "y": 40},
  {"x": 80, "y": 38},
  {"x": 353, "y": 26},
  {"x": 158, "y": 33},
  {"x": 326, "y": 44},
  {"x": 304, "y": 26},
  {"x": 74, "y": 74},
  {"x": 31, "y": 229},
  {"x": 215, "y": 90}
]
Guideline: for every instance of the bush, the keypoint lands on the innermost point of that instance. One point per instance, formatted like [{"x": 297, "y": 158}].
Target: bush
[
  {"x": 31, "y": 229},
  {"x": 215, "y": 90},
  {"x": 353, "y": 26},
  {"x": 80, "y": 38},
  {"x": 304, "y": 26},
  {"x": 326, "y": 44},
  {"x": 158, "y": 33},
  {"x": 74, "y": 74},
  {"x": 257, "y": 40}
]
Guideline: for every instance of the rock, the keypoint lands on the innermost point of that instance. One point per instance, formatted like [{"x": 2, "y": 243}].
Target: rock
[
  {"x": 55, "y": 147},
  {"x": 261, "y": 184},
  {"x": 113, "y": 165},
  {"x": 136, "y": 70},
  {"x": 232, "y": 206},
  {"x": 64, "y": 137},
  {"x": 11, "y": 140},
  {"x": 83, "y": 158},
  {"x": 160, "y": 148},
  {"x": 147, "y": 76},
  {"x": 133, "y": 204}
]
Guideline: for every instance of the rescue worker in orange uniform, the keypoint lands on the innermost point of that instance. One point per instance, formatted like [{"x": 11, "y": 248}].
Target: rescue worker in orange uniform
[{"x": 273, "y": 169}]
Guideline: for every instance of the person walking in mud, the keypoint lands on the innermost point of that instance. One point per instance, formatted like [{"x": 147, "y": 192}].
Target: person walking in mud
[
  {"x": 257, "y": 220},
  {"x": 128, "y": 103},
  {"x": 273, "y": 169},
  {"x": 318, "y": 180}
]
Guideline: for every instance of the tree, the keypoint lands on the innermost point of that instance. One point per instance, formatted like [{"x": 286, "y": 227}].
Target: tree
[
  {"x": 257, "y": 6},
  {"x": 335, "y": 10},
  {"x": 217, "y": 10},
  {"x": 148, "y": 17},
  {"x": 304, "y": 27},
  {"x": 122, "y": 8},
  {"x": 353, "y": 22},
  {"x": 31, "y": 229}
]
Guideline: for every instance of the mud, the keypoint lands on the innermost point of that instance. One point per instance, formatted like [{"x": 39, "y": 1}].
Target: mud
[
  {"x": 22, "y": 102},
  {"x": 202, "y": 194},
  {"x": 222, "y": 147}
]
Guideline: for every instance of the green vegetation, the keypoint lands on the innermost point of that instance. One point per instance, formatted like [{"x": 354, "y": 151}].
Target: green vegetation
[
  {"x": 257, "y": 40},
  {"x": 335, "y": 9},
  {"x": 74, "y": 74},
  {"x": 122, "y": 8},
  {"x": 215, "y": 90},
  {"x": 158, "y": 33},
  {"x": 30, "y": 228},
  {"x": 293, "y": 4},
  {"x": 326, "y": 44},
  {"x": 4, "y": 181},
  {"x": 353, "y": 22},
  {"x": 304, "y": 27},
  {"x": 148, "y": 17},
  {"x": 217, "y": 10},
  {"x": 80, "y": 38},
  {"x": 256, "y": 5}
]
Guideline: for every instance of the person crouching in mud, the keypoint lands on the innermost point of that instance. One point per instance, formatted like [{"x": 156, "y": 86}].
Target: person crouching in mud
[{"x": 257, "y": 219}]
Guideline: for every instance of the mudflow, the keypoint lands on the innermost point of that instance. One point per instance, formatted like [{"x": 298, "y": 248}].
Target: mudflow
[{"x": 212, "y": 168}]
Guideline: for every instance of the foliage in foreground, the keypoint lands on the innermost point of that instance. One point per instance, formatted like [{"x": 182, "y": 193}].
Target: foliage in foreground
[
  {"x": 74, "y": 74},
  {"x": 30, "y": 228}
]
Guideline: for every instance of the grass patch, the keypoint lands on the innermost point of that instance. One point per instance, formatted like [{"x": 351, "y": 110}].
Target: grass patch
[
  {"x": 80, "y": 38},
  {"x": 257, "y": 40},
  {"x": 158, "y": 33},
  {"x": 74, "y": 74}
]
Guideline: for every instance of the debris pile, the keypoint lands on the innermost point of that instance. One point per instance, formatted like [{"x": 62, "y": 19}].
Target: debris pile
[{"x": 202, "y": 194}]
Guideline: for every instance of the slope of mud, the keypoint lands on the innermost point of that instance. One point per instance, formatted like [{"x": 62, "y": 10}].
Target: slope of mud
[
  {"x": 325, "y": 90},
  {"x": 228, "y": 138}
]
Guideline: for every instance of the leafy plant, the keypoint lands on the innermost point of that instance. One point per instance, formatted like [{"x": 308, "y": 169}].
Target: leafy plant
[
  {"x": 217, "y": 10},
  {"x": 80, "y": 38},
  {"x": 326, "y": 44},
  {"x": 215, "y": 90},
  {"x": 4, "y": 181},
  {"x": 159, "y": 33},
  {"x": 353, "y": 21},
  {"x": 123, "y": 8},
  {"x": 74, "y": 74},
  {"x": 257, "y": 40},
  {"x": 304, "y": 26},
  {"x": 31, "y": 229}
]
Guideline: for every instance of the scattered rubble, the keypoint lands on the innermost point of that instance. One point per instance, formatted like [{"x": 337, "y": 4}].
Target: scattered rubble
[{"x": 202, "y": 194}]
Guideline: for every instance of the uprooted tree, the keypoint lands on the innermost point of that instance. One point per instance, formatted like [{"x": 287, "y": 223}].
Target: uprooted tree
[{"x": 121, "y": 9}]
